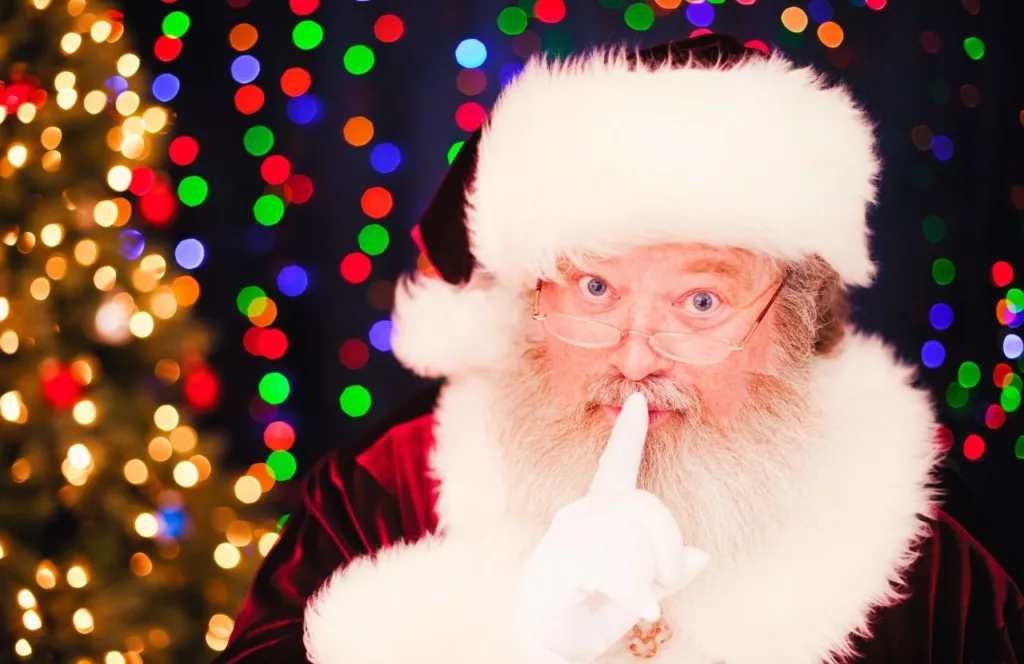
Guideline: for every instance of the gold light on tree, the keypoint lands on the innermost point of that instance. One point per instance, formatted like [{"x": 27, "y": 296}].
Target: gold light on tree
[{"x": 119, "y": 539}]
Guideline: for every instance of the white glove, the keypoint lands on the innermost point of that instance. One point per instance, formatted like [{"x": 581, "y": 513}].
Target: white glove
[{"x": 607, "y": 559}]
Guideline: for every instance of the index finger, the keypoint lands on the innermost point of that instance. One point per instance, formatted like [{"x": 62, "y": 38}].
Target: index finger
[{"x": 619, "y": 466}]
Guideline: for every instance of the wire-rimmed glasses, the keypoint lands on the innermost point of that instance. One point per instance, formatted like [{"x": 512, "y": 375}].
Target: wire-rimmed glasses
[{"x": 677, "y": 346}]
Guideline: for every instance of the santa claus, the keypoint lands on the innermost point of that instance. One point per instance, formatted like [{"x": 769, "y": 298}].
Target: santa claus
[{"x": 658, "y": 436}]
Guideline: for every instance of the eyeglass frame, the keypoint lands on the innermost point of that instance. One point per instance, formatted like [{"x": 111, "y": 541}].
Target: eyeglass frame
[{"x": 651, "y": 336}]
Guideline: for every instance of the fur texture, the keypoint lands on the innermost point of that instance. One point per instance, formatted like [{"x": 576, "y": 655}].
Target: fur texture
[
  {"x": 433, "y": 602},
  {"x": 445, "y": 330},
  {"x": 851, "y": 533},
  {"x": 590, "y": 158}
]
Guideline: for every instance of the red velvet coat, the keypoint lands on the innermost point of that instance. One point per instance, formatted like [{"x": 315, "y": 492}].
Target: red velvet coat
[{"x": 962, "y": 606}]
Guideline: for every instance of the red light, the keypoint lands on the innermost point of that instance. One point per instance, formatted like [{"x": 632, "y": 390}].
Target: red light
[
  {"x": 251, "y": 340},
  {"x": 388, "y": 28},
  {"x": 354, "y": 354},
  {"x": 700, "y": 31},
  {"x": 376, "y": 202},
  {"x": 877, "y": 5},
  {"x": 759, "y": 45},
  {"x": 167, "y": 48},
  {"x": 60, "y": 388},
  {"x": 304, "y": 7},
  {"x": 275, "y": 169},
  {"x": 974, "y": 447},
  {"x": 355, "y": 268},
  {"x": 249, "y": 99},
  {"x": 273, "y": 344},
  {"x": 295, "y": 82},
  {"x": 279, "y": 436},
  {"x": 202, "y": 390},
  {"x": 1002, "y": 273},
  {"x": 470, "y": 116},
  {"x": 944, "y": 438},
  {"x": 549, "y": 11},
  {"x": 142, "y": 181},
  {"x": 1002, "y": 375},
  {"x": 995, "y": 417},
  {"x": 298, "y": 189},
  {"x": 158, "y": 205},
  {"x": 183, "y": 150}
]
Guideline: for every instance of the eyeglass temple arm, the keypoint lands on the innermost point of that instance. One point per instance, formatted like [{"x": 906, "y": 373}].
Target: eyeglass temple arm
[{"x": 764, "y": 312}]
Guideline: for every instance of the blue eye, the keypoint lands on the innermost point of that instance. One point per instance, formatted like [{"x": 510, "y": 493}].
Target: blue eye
[
  {"x": 593, "y": 286},
  {"x": 702, "y": 301}
]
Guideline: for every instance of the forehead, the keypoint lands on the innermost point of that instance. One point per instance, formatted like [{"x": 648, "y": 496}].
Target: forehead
[{"x": 678, "y": 260}]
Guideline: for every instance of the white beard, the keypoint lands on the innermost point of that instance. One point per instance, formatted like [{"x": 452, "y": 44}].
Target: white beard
[{"x": 725, "y": 484}]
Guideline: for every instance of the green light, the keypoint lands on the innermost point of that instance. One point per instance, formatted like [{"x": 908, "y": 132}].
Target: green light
[
  {"x": 257, "y": 307},
  {"x": 527, "y": 6},
  {"x": 1018, "y": 448},
  {"x": 258, "y": 140},
  {"x": 247, "y": 296},
  {"x": 355, "y": 401},
  {"x": 282, "y": 465},
  {"x": 268, "y": 210},
  {"x": 956, "y": 395},
  {"x": 1016, "y": 298},
  {"x": 969, "y": 374},
  {"x": 193, "y": 190},
  {"x": 943, "y": 271},
  {"x": 274, "y": 388},
  {"x": 359, "y": 59},
  {"x": 1016, "y": 383},
  {"x": 453, "y": 151},
  {"x": 975, "y": 48},
  {"x": 512, "y": 21},
  {"x": 1009, "y": 399},
  {"x": 934, "y": 228},
  {"x": 639, "y": 16},
  {"x": 373, "y": 239},
  {"x": 283, "y": 520},
  {"x": 307, "y": 35},
  {"x": 557, "y": 43},
  {"x": 176, "y": 24},
  {"x": 612, "y": 4},
  {"x": 715, "y": 2}
]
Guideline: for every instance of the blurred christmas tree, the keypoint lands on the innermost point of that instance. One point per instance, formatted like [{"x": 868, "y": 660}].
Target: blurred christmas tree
[{"x": 118, "y": 538}]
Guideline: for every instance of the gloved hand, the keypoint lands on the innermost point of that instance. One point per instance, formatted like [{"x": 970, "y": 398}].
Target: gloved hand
[{"x": 607, "y": 559}]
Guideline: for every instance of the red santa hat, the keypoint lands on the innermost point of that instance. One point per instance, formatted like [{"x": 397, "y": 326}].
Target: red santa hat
[{"x": 702, "y": 140}]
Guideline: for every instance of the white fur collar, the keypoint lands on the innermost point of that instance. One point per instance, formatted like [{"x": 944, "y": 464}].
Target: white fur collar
[{"x": 849, "y": 537}]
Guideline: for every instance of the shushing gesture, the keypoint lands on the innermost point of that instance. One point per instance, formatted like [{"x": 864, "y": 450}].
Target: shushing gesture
[{"x": 607, "y": 559}]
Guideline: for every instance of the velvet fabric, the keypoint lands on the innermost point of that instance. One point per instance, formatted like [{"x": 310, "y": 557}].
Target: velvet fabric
[{"x": 961, "y": 606}]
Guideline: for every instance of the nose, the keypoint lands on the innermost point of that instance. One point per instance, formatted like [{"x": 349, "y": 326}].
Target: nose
[{"x": 635, "y": 359}]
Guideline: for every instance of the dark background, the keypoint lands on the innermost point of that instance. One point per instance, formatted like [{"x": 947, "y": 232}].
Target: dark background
[{"x": 906, "y": 63}]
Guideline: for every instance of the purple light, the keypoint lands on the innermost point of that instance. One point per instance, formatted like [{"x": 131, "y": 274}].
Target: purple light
[
  {"x": 132, "y": 244},
  {"x": 245, "y": 69},
  {"x": 700, "y": 14},
  {"x": 189, "y": 253},
  {"x": 292, "y": 280},
  {"x": 380, "y": 335},
  {"x": 941, "y": 316},
  {"x": 933, "y": 354}
]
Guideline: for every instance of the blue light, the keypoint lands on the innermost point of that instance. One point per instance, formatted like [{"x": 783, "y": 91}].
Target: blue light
[
  {"x": 117, "y": 84},
  {"x": 509, "y": 72},
  {"x": 304, "y": 109},
  {"x": 471, "y": 53},
  {"x": 933, "y": 354},
  {"x": 189, "y": 254},
  {"x": 245, "y": 69},
  {"x": 820, "y": 11},
  {"x": 700, "y": 14},
  {"x": 380, "y": 335},
  {"x": 942, "y": 147},
  {"x": 385, "y": 158},
  {"x": 165, "y": 87},
  {"x": 292, "y": 280},
  {"x": 172, "y": 521},
  {"x": 1012, "y": 346},
  {"x": 132, "y": 244},
  {"x": 941, "y": 316}
]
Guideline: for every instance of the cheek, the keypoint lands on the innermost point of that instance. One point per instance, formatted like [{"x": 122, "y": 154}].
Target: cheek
[{"x": 572, "y": 368}]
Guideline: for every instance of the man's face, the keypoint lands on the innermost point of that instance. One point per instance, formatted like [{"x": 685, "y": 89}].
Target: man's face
[
  {"x": 693, "y": 289},
  {"x": 728, "y": 439}
]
